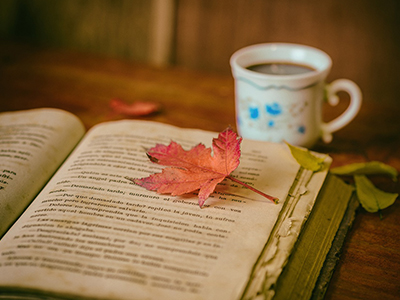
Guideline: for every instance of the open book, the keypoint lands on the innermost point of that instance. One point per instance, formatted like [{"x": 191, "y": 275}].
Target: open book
[{"x": 73, "y": 226}]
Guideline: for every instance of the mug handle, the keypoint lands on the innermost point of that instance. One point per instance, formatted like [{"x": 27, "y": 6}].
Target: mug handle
[{"x": 355, "y": 103}]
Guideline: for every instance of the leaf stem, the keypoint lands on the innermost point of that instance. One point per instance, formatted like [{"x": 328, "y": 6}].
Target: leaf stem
[{"x": 273, "y": 199}]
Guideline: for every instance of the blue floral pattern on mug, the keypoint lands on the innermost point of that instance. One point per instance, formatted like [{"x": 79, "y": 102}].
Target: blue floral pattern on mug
[
  {"x": 273, "y": 109},
  {"x": 301, "y": 129},
  {"x": 273, "y": 115},
  {"x": 254, "y": 113}
]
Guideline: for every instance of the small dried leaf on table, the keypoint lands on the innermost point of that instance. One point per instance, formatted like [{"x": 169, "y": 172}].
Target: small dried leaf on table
[{"x": 135, "y": 109}]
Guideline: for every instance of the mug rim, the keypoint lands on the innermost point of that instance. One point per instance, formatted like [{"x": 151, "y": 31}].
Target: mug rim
[{"x": 251, "y": 49}]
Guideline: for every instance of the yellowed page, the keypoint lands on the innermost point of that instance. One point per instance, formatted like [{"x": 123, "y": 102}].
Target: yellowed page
[
  {"x": 92, "y": 232},
  {"x": 33, "y": 144}
]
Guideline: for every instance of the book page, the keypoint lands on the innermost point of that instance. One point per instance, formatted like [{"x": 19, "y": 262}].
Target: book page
[
  {"x": 92, "y": 232},
  {"x": 33, "y": 144}
]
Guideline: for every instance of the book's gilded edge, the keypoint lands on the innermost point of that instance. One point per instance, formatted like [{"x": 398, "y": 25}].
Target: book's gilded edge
[{"x": 278, "y": 248}]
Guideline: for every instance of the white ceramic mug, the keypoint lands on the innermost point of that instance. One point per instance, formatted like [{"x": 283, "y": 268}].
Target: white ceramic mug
[{"x": 288, "y": 107}]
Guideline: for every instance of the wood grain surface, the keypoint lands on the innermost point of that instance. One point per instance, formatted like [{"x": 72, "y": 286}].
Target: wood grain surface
[{"x": 84, "y": 84}]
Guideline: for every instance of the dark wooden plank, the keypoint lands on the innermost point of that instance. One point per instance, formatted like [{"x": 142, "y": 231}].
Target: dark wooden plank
[{"x": 117, "y": 28}]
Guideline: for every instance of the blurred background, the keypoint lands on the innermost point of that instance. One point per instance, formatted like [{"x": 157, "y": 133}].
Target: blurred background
[{"x": 361, "y": 36}]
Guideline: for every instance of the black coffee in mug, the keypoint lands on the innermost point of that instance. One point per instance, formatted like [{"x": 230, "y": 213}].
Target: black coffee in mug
[{"x": 280, "y": 68}]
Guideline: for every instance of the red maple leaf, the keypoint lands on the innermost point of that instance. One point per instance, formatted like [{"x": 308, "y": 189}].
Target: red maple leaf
[{"x": 195, "y": 169}]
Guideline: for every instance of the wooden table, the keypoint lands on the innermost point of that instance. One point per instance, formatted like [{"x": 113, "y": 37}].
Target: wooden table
[{"x": 83, "y": 84}]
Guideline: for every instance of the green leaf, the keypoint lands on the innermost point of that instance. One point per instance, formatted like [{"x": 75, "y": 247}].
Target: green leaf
[
  {"x": 368, "y": 168},
  {"x": 370, "y": 197},
  {"x": 306, "y": 159}
]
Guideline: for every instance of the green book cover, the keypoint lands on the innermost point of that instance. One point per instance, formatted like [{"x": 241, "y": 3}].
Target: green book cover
[{"x": 311, "y": 265}]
